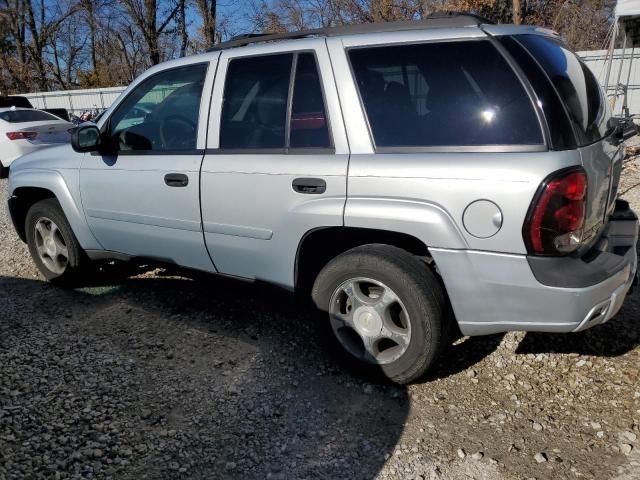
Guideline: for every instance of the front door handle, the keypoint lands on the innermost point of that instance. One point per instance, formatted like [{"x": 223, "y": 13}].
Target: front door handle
[
  {"x": 309, "y": 185},
  {"x": 176, "y": 179}
]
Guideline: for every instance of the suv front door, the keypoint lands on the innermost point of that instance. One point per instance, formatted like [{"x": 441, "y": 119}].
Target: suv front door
[
  {"x": 276, "y": 160},
  {"x": 142, "y": 197}
]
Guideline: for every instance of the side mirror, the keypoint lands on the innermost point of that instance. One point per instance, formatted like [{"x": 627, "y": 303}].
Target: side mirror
[{"x": 85, "y": 138}]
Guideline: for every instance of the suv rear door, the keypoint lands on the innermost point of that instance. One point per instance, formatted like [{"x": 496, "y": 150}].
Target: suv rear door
[{"x": 276, "y": 159}]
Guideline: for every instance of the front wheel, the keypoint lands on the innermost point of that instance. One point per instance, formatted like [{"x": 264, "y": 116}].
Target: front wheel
[
  {"x": 386, "y": 311},
  {"x": 52, "y": 244}
]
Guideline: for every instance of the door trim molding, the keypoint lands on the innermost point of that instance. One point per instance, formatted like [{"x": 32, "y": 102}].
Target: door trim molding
[
  {"x": 144, "y": 219},
  {"x": 238, "y": 230}
]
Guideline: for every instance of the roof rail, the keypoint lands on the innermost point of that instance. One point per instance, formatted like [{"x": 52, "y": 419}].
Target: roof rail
[
  {"x": 435, "y": 20},
  {"x": 480, "y": 20}
]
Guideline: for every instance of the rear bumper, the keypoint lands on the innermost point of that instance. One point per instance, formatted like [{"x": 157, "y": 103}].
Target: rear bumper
[{"x": 493, "y": 292}]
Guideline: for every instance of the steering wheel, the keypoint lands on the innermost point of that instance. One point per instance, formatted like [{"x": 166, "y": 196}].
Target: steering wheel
[{"x": 176, "y": 131}]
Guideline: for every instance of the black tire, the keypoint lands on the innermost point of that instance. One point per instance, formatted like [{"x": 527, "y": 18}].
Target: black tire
[
  {"x": 77, "y": 259},
  {"x": 415, "y": 285}
]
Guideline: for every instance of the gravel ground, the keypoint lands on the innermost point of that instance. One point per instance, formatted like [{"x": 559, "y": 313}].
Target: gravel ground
[{"x": 159, "y": 375}]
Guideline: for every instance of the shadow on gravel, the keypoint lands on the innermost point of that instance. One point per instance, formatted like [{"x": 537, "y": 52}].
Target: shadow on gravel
[
  {"x": 173, "y": 377},
  {"x": 463, "y": 354}
]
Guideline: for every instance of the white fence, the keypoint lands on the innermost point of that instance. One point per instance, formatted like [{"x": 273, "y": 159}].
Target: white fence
[
  {"x": 630, "y": 74},
  {"x": 78, "y": 101}
]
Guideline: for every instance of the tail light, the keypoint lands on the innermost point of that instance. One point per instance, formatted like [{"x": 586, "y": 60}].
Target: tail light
[
  {"x": 22, "y": 135},
  {"x": 556, "y": 217}
]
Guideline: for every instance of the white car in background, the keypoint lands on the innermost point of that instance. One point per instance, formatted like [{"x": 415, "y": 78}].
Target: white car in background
[{"x": 23, "y": 130}]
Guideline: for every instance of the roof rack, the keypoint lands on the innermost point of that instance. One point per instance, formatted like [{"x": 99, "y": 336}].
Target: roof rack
[{"x": 435, "y": 20}]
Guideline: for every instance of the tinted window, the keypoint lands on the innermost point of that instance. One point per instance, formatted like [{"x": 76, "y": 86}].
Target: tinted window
[
  {"x": 308, "y": 117},
  {"x": 560, "y": 129},
  {"x": 574, "y": 83},
  {"x": 254, "y": 109},
  {"x": 437, "y": 94},
  {"x": 21, "y": 116},
  {"x": 59, "y": 112},
  {"x": 161, "y": 114},
  {"x": 20, "y": 102}
]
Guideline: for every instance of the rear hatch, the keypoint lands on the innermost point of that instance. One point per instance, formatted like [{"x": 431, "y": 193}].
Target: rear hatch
[{"x": 587, "y": 110}]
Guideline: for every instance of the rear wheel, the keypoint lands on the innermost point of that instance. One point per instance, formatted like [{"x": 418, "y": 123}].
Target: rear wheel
[
  {"x": 386, "y": 311},
  {"x": 52, "y": 244}
]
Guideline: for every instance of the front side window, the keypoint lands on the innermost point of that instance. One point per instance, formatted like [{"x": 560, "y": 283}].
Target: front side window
[
  {"x": 443, "y": 94},
  {"x": 576, "y": 85},
  {"x": 161, "y": 114},
  {"x": 262, "y": 110}
]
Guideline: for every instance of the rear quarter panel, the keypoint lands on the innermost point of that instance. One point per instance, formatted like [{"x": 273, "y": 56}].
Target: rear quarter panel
[
  {"x": 426, "y": 194},
  {"x": 603, "y": 163}
]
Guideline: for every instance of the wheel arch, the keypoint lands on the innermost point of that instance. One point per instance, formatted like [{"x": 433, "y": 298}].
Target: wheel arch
[
  {"x": 30, "y": 186},
  {"x": 20, "y": 202},
  {"x": 318, "y": 246}
]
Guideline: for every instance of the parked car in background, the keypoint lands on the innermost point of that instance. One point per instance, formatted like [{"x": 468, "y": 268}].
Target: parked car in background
[
  {"x": 61, "y": 113},
  {"x": 15, "y": 101},
  {"x": 391, "y": 172},
  {"x": 23, "y": 130},
  {"x": 23, "y": 102}
]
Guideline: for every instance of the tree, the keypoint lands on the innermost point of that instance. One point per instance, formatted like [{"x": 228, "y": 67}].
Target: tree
[
  {"x": 67, "y": 45},
  {"x": 51, "y": 44},
  {"x": 583, "y": 24},
  {"x": 207, "y": 10},
  {"x": 144, "y": 14}
]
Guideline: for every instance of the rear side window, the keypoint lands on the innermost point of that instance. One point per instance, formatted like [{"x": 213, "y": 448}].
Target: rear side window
[
  {"x": 443, "y": 94},
  {"x": 254, "y": 110},
  {"x": 21, "y": 116},
  {"x": 308, "y": 116},
  {"x": 257, "y": 112},
  {"x": 560, "y": 128},
  {"x": 576, "y": 85}
]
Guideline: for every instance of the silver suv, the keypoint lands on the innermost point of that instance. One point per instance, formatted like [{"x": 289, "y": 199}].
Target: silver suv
[{"x": 413, "y": 178}]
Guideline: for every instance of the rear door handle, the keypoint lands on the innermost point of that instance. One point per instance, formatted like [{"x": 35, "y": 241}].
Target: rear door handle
[
  {"x": 309, "y": 185},
  {"x": 176, "y": 179}
]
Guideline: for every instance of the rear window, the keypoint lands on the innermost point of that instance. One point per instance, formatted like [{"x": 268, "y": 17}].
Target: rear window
[
  {"x": 21, "y": 116},
  {"x": 576, "y": 85},
  {"x": 443, "y": 94}
]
